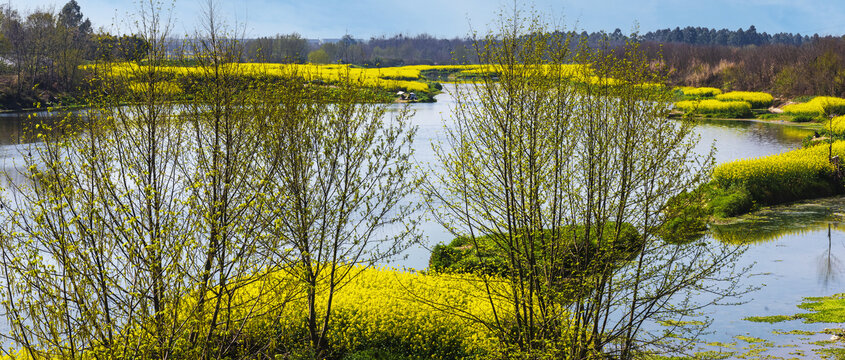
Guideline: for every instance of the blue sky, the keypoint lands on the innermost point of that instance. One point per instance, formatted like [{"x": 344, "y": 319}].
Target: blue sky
[{"x": 450, "y": 18}]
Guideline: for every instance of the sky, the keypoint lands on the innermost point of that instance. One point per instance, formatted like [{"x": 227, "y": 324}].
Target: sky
[{"x": 320, "y": 19}]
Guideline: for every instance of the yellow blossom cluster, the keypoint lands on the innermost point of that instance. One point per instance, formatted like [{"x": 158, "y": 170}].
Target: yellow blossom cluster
[
  {"x": 820, "y": 105},
  {"x": 756, "y": 99},
  {"x": 787, "y": 176},
  {"x": 700, "y": 92},
  {"x": 712, "y": 106}
]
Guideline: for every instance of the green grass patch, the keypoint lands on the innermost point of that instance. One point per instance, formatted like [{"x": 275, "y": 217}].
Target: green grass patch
[
  {"x": 682, "y": 323},
  {"x": 835, "y": 354},
  {"x": 793, "y": 332}
]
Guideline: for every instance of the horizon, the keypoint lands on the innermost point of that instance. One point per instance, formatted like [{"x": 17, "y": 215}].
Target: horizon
[{"x": 332, "y": 19}]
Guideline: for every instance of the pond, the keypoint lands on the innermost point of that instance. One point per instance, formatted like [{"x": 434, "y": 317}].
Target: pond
[{"x": 797, "y": 250}]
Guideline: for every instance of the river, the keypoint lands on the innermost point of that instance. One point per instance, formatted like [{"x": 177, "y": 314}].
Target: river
[{"x": 797, "y": 251}]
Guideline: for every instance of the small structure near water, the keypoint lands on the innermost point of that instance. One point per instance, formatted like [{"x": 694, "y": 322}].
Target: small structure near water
[{"x": 403, "y": 96}]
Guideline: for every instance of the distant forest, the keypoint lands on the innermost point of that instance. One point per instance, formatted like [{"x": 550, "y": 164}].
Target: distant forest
[
  {"x": 426, "y": 49},
  {"x": 41, "y": 53}
]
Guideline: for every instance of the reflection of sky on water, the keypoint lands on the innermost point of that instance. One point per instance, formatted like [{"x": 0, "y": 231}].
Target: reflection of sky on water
[{"x": 797, "y": 251}]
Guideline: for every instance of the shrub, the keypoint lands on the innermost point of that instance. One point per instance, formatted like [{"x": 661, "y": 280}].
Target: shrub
[
  {"x": 737, "y": 109},
  {"x": 802, "y": 118},
  {"x": 730, "y": 202},
  {"x": 462, "y": 256},
  {"x": 756, "y": 99},
  {"x": 818, "y": 106}
]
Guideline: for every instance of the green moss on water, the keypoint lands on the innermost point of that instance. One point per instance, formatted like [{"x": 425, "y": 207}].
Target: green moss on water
[
  {"x": 822, "y": 342},
  {"x": 793, "y": 332},
  {"x": 714, "y": 354},
  {"x": 721, "y": 344},
  {"x": 682, "y": 323},
  {"x": 836, "y": 354},
  {"x": 829, "y": 309},
  {"x": 770, "y": 319},
  {"x": 749, "y": 339}
]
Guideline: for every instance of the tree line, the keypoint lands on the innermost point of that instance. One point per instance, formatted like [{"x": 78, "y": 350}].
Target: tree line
[
  {"x": 397, "y": 50},
  {"x": 42, "y": 52}
]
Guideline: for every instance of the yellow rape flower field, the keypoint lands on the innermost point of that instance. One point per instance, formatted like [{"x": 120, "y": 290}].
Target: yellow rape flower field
[
  {"x": 704, "y": 92},
  {"x": 820, "y": 105},
  {"x": 756, "y": 99},
  {"x": 712, "y": 106},
  {"x": 427, "y": 316},
  {"x": 404, "y": 78},
  {"x": 797, "y": 174}
]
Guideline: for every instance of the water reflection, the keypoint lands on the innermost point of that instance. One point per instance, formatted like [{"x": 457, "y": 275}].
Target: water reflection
[
  {"x": 815, "y": 226},
  {"x": 737, "y": 139},
  {"x": 830, "y": 267}
]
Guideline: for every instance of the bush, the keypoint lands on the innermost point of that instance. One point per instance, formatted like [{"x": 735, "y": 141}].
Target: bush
[
  {"x": 733, "y": 109},
  {"x": 686, "y": 217},
  {"x": 837, "y": 125},
  {"x": 756, "y": 99},
  {"x": 802, "y": 118},
  {"x": 734, "y": 201},
  {"x": 461, "y": 256}
]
